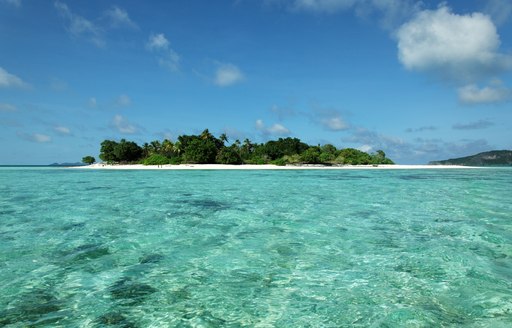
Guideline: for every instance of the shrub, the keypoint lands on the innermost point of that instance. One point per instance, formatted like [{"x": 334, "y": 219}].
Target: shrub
[
  {"x": 279, "y": 162},
  {"x": 88, "y": 160},
  {"x": 156, "y": 159}
]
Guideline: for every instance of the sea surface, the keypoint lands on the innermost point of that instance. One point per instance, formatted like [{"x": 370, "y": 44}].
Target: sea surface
[{"x": 305, "y": 248}]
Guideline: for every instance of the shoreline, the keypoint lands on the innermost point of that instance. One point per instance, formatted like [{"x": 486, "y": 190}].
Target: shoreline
[{"x": 100, "y": 166}]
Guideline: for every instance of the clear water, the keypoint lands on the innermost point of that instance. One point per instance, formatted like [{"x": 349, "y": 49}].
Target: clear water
[{"x": 405, "y": 248}]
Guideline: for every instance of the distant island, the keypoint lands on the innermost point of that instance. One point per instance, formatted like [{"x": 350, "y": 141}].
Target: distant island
[
  {"x": 67, "y": 164},
  {"x": 489, "y": 158},
  {"x": 208, "y": 149}
]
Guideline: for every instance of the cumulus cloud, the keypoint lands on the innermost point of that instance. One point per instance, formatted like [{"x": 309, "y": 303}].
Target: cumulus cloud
[
  {"x": 35, "y": 137},
  {"x": 478, "y": 125},
  {"x": 166, "y": 56},
  {"x": 80, "y": 27},
  {"x": 123, "y": 101},
  {"x": 228, "y": 74},
  {"x": 62, "y": 130},
  {"x": 7, "y": 108},
  {"x": 118, "y": 18},
  {"x": 157, "y": 42},
  {"x": 330, "y": 120},
  {"x": 365, "y": 148},
  {"x": 122, "y": 125},
  {"x": 456, "y": 47},
  {"x": 472, "y": 94},
  {"x": 273, "y": 130},
  {"x": 9, "y": 80}
]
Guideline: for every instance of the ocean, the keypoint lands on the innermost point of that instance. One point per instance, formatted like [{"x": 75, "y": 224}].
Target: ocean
[{"x": 301, "y": 248}]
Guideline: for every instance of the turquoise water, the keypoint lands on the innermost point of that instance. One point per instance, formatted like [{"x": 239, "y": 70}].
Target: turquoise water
[{"x": 390, "y": 248}]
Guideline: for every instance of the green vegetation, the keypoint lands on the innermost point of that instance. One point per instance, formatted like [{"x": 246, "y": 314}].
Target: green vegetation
[
  {"x": 489, "y": 158},
  {"x": 88, "y": 160},
  {"x": 156, "y": 159},
  {"x": 207, "y": 149}
]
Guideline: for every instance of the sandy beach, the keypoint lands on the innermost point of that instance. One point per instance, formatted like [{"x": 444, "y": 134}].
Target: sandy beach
[{"x": 99, "y": 166}]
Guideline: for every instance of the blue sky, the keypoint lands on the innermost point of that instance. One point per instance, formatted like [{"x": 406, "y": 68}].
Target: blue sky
[{"x": 420, "y": 80}]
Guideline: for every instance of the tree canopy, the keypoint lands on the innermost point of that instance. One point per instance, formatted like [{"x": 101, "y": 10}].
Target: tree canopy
[{"x": 205, "y": 148}]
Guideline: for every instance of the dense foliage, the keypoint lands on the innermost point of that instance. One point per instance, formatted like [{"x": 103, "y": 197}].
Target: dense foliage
[
  {"x": 207, "y": 149},
  {"x": 88, "y": 160}
]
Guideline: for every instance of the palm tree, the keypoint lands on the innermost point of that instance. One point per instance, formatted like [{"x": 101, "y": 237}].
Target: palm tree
[
  {"x": 248, "y": 146},
  {"x": 177, "y": 147},
  {"x": 156, "y": 147},
  {"x": 224, "y": 138},
  {"x": 167, "y": 147},
  {"x": 146, "y": 149},
  {"x": 206, "y": 135}
]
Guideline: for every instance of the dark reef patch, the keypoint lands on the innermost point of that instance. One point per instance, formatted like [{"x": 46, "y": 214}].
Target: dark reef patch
[
  {"x": 35, "y": 307},
  {"x": 151, "y": 258},
  {"x": 114, "y": 319},
  {"x": 130, "y": 291},
  {"x": 87, "y": 252}
]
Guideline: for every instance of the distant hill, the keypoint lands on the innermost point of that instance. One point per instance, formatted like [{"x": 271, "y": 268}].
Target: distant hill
[
  {"x": 488, "y": 158},
  {"x": 67, "y": 164}
]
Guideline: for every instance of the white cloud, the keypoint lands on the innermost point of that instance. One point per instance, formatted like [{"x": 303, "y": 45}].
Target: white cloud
[
  {"x": 118, "y": 17},
  {"x": 274, "y": 130},
  {"x": 278, "y": 129},
  {"x": 62, "y": 130},
  {"x": 334, "y": 124},
  {"x": 9, "y": 80},
  {"x": 122, "y": 125},
  {"x": 79, "y": 26},
  {"x": 35, "y": 137},
  {"x": 167, "y": 57},
  {"x": 228, "y": 74},
  {"x": 158, "y": 42},
  {"x": 123, "y": 101},
  {"x": 15, "y": 3},
  {"x": 472, "y": 94},
  {"x": 170, "y": 60},
  {"x": 457, "y": 47},
  {"x": 7, "y": 108},
  {"x": 366, "y": 148},
  {"x": 329, "y": 119}
]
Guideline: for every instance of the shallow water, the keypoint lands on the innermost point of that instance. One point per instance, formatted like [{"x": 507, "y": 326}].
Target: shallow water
[{"x": 390, "y": 248}]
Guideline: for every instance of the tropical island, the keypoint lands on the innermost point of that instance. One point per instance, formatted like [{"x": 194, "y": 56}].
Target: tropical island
[
  {"x": 205, "y": 148},
  {"x": 488, "y": 158}
]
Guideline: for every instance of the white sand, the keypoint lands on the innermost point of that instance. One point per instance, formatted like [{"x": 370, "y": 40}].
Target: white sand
[{"x": 264, "y": 167}]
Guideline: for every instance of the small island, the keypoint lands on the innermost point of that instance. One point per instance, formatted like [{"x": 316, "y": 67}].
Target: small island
[
  {"x": 489, "y": 158},
  {"x": 208, "y": 149}
]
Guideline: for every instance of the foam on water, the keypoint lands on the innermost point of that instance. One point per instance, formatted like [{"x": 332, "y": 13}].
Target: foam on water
[{"x": 418, "y": 248}]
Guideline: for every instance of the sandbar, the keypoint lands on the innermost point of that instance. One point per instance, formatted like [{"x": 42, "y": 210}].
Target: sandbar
[{"x": 101, "y": 166}]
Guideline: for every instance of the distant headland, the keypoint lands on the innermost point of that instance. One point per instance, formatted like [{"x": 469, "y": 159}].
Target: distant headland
[{"x": 489, "y": 158}]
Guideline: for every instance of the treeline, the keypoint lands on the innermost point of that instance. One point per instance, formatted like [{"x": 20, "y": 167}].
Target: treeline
[{"x": 207, "y": 149}]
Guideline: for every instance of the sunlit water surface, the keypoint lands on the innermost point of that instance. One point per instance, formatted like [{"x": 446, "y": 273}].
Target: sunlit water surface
[{"x": 401, "y": 248}]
